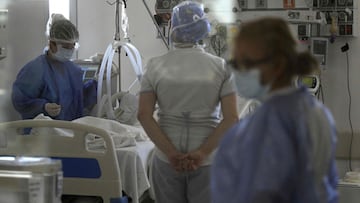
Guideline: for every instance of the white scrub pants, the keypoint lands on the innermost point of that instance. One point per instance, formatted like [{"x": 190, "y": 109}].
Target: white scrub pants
[{"x": 171, "y": 186}]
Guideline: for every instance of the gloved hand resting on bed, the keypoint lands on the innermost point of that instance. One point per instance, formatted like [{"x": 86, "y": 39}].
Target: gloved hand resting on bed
[{"x": 52, "y": 109}]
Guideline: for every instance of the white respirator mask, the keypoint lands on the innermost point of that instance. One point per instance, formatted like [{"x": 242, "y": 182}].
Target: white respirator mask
[
  {"x": 63, "y": 54},
  {"x": 248, "y": 84}
]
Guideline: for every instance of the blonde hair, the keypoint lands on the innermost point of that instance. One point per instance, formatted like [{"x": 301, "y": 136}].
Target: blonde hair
[{"x": 274, "y": 35}]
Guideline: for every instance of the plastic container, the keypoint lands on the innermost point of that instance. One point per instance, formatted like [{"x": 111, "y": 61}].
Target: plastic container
[{"x": 30, "y": 180}]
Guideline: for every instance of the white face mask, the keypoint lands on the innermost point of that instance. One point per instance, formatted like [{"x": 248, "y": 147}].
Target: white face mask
[
  {"x": 63, "y": 54},
  {"x": 248, "y": 84}
]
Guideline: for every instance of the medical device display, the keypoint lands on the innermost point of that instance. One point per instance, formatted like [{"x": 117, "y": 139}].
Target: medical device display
[
  {"x": 89, "y": 68},
  {"x": 312, "y": 82}
]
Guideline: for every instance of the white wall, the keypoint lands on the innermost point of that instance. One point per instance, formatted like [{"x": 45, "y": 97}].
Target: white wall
[
  {"x": 95, "y": 21},
  {"x": 26, "y": 40},
  {"x": 335, "y": 83}
]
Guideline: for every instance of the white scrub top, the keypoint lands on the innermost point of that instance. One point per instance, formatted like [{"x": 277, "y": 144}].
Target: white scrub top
[{"x": 189, "y": 84}]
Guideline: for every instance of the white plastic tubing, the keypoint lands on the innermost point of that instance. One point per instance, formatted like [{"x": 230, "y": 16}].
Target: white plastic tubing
[{"x": 106, "y": 64}]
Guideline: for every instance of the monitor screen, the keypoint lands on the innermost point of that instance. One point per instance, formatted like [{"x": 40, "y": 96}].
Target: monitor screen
[
  {"x": 308, "y": 81},
  {"x": 89, "y": 68}
]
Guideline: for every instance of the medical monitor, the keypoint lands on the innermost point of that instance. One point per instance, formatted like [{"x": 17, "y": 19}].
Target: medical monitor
[
  {"x": 88, "y": 67},
  {"x": 312, "y": 82}
]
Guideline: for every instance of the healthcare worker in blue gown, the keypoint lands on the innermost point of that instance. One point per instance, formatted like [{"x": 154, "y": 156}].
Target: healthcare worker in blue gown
[
  {"x": 284, "y": 151},
  {"x": 51, "y": 84}
]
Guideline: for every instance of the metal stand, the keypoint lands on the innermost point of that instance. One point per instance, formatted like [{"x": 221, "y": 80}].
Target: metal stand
[{"x": 117, "y": 35}]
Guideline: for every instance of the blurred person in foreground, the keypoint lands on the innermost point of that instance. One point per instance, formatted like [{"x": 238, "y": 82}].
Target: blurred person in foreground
[{"x": 285, "y": 150}]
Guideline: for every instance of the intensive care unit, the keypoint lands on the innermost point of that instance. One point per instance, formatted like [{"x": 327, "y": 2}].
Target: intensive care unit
[{"x": 105, "y": 155}]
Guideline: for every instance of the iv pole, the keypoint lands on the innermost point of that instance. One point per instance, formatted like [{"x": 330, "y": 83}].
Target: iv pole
[
  {"x": 106, "y": 64},
  {"x": 117, "y": 36}
]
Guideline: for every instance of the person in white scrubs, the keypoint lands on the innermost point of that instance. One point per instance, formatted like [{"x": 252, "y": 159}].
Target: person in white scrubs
[{"x": 190, "y": 87}]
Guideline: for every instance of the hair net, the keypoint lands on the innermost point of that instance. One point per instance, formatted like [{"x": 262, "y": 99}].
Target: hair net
[
  {"x": 64, "y": 31},
  {"x": 53, "y": 18},
  {"x": 189, "y": 24}
]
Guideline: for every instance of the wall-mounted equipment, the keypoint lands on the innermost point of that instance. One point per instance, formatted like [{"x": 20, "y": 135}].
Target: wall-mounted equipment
[
  {"x": 3, "y": 33},
  {"x": 260, "y": 3},
  {"x": 165, "y": 6},
  {"x": 89, "y": 68},
  {"x": 340, "y": 13},
  {"x": 312, "y": 82},
  {"x": 319, "y": 48},
  {"x": 243, "y": 4}
]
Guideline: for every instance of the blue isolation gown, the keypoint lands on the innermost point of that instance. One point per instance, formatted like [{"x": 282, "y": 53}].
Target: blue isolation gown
[
  {"x": 45, "y": 80},
  {"x": 283, "y": 152}
]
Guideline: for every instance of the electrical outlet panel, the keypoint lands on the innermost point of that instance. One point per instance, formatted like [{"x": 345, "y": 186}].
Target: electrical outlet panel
[
  {"x": 166, "y": 6},
  {"x": 332, "y": 3},
  {"x": 3, "y": 33},
  {"x": 319, "y": 48},
  {"x": 261, "y": 4},
  {"x": 344, "y": 3},
  {"x": 243, "y": 3}
]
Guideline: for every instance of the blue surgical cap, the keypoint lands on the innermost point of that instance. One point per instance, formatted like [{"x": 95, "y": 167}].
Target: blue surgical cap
[{"x": 189, "y": 24}]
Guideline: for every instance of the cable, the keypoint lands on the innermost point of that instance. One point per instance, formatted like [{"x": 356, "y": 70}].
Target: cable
[
  {"x": 321, "y": 90},
  {"x": 322, "y": 94},
  {"x": 169, "y": 31},
  {"x": 349, "y": 110}
]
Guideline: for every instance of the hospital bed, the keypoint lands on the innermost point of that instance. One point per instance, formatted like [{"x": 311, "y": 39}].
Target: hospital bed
[{"x": 91, "y": 168}]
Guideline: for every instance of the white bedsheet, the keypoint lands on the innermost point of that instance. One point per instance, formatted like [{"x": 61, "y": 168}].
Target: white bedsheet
[
  {"x": 133, "y": 162},
  {"x": 123, "y": 135}
]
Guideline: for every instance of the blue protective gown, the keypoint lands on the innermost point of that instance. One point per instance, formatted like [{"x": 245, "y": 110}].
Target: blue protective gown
[
  {"x": 45, "y": 80},
  {"x": 283, "y": 152}
]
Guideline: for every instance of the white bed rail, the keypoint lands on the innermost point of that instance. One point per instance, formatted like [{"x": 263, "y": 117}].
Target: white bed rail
[{"x": 107, "y": 186}]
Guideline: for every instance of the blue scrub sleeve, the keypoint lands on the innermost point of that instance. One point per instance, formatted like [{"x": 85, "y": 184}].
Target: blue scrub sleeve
[
  {"x": 256, "y": 172},
  {"x": 26, "y": 91},
  {"x": 90, "y": 93}
]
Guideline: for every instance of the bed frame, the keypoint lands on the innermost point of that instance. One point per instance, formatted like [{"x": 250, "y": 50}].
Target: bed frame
[{"x": 86, "y": 172}]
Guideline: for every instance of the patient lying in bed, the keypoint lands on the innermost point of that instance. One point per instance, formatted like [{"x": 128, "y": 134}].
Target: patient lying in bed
[{"x": 123, "y": 135}]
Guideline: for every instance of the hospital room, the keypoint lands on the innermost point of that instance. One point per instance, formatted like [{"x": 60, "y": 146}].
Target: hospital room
[{"x": 179, "y": 101}]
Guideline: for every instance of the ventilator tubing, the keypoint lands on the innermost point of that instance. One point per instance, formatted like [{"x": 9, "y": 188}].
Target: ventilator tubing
[{"x": 135, "y": 60}]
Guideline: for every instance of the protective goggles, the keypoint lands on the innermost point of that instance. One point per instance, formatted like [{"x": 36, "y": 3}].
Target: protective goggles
[{"x": 247, "y": 64}]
